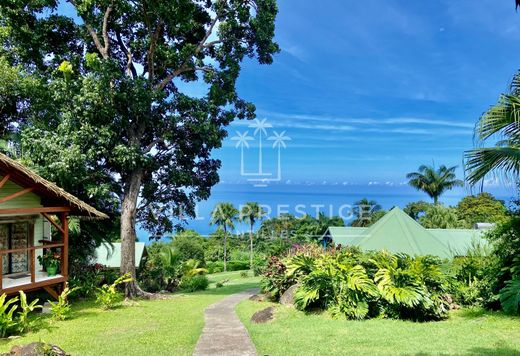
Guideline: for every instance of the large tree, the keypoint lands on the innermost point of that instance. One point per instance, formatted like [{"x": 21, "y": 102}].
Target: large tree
[
  {"x": 434, "y": 182},
  {"x": 120, "y": 76}
]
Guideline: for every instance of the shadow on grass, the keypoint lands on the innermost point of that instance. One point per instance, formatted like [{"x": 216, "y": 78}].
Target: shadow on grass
[
  {"x": 480, "y": 313},
  {"x": 227, "y": 289},
  {"x": 482, "y": 351},
  {"x": 505, "y": 351}
]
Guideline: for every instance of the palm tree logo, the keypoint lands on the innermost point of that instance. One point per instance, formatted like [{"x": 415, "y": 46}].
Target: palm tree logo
[
  {"x": 260, "y": 127},
  {"x": 279, "y": 142},
  {"x": 260, "y": 178},
  {"x": 242, "y": 139}
]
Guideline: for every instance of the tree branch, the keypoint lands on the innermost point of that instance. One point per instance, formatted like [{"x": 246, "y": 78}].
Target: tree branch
[
  {"x": 95, "y": 37},
  {"x": 105, "y": 28},
  {"x": 102, "y": 49},
  {"x": 130, "y": 64},
  {"x": 184, "y": 67},
  {"x": 151, "y": 50}
]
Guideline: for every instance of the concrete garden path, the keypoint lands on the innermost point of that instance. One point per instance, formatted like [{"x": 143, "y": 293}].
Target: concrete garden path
[{"x": 223, "y": 333}]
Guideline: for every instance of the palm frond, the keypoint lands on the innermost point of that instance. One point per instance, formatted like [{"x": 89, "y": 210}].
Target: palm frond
[{"x": 483, "y": 161}]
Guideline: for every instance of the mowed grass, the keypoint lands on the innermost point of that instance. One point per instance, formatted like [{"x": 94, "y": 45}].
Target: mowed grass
[
  {"x": 466, "y": 332},
  {"x": 150, "y": 327}
]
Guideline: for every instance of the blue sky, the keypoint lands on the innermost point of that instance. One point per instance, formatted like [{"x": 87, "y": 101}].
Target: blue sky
[{"x": 369, "y": 90}]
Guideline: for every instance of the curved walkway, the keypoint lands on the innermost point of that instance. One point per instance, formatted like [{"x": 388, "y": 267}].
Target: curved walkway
[{"x": 223, "y": 333}]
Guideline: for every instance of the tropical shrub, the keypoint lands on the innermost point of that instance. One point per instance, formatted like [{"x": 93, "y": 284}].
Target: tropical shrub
[
  {"x": 194, "y": 283},
  {"x": 108, "y": 297},
  {"x": 162, "y": 270},
  {"x": 259, "y": 265},
  {"x": 355, "y": 285},
  {"x": 218, "y": 266},
  {"x": 276, "y": 281},
  {"x": 61, "y": 309},
  {"x": 93, "y": 276}
]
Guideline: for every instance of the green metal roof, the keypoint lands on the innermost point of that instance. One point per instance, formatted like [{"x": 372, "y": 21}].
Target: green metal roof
[
  {"x": 345, "y": 235},
  {"x": 109, "y": 255},
  {"x": 397, "y": 232},
  {"x": 459, "y": 241}
]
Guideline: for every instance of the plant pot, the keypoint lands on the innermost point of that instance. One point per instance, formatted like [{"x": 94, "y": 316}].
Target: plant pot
[{"x": 51, "y": 270}]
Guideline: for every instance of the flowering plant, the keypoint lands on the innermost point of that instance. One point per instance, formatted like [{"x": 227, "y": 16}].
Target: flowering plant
[{"x": 50, "y": 259}]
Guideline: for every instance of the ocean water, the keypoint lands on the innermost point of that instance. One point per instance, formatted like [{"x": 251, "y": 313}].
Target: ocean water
[{"x": 311, "y": 199}]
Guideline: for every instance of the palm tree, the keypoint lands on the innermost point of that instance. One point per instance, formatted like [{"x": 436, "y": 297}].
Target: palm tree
[
  {"x": 251, "y": 212},
  {"x": 501, "y": 121},
  {"x": 224, "y": 216},
  {"x": 433, "y": 181}
]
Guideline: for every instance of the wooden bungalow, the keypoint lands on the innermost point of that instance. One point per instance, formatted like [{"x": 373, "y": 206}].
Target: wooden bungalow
[{"x": 30, "y": 207}]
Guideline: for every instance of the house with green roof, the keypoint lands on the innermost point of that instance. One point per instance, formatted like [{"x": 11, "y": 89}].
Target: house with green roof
[
  {"x": 397, "y": 232},
  {"x": 109, "y": 255}
]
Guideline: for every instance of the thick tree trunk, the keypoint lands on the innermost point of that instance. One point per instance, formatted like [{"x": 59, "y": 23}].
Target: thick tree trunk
[
  {"x": 225, "y": 249},
  {"x": 128, "y": 234},
  {"x": 251, "y": 247}
]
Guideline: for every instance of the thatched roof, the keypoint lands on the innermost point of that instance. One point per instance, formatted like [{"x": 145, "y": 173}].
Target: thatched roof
[{"x": 25, "y": 177}]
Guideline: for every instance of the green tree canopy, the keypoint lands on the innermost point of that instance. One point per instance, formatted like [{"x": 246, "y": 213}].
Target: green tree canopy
[
  {"x": 438, "y": 216},
  {"x": 119, "y": 122},
  {"x": 416, "y": 209},
  {"x": 483, "y": 207}
]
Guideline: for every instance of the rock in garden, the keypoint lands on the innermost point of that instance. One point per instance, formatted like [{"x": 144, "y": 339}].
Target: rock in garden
[
  {"x": 263, "y": 315},
  {"x": 258, "y": 298},
  {"x": 36, "y": 349},
  {"x": 288, "y": 297}
]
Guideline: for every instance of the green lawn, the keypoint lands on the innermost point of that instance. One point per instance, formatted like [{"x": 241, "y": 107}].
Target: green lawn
[
  {"x": 465, "y": 333},
  {"x": 160, "y": 327}
]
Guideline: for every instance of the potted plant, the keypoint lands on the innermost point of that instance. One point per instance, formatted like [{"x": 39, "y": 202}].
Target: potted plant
[{"x": 51, "y": 262}]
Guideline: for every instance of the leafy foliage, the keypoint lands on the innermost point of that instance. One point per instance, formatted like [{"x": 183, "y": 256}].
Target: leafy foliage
[
  {"x": 356, "y": 285},
  {"x": 194, "y": 283},
  {"x": 416, "y": 209},
  {"x": 438, "y": 216},
  {"x": 61, "y": 309},
  {"x": 510, "y": 297},
  {"x": 8, "y": 322},
  {"x": 483, "y": 207},
  {"x": 24, "y": 322},
  {"x": 108, "y": 297},
  {"x": 499, "y": 121},
  {"x": 276, "y": 281}
]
